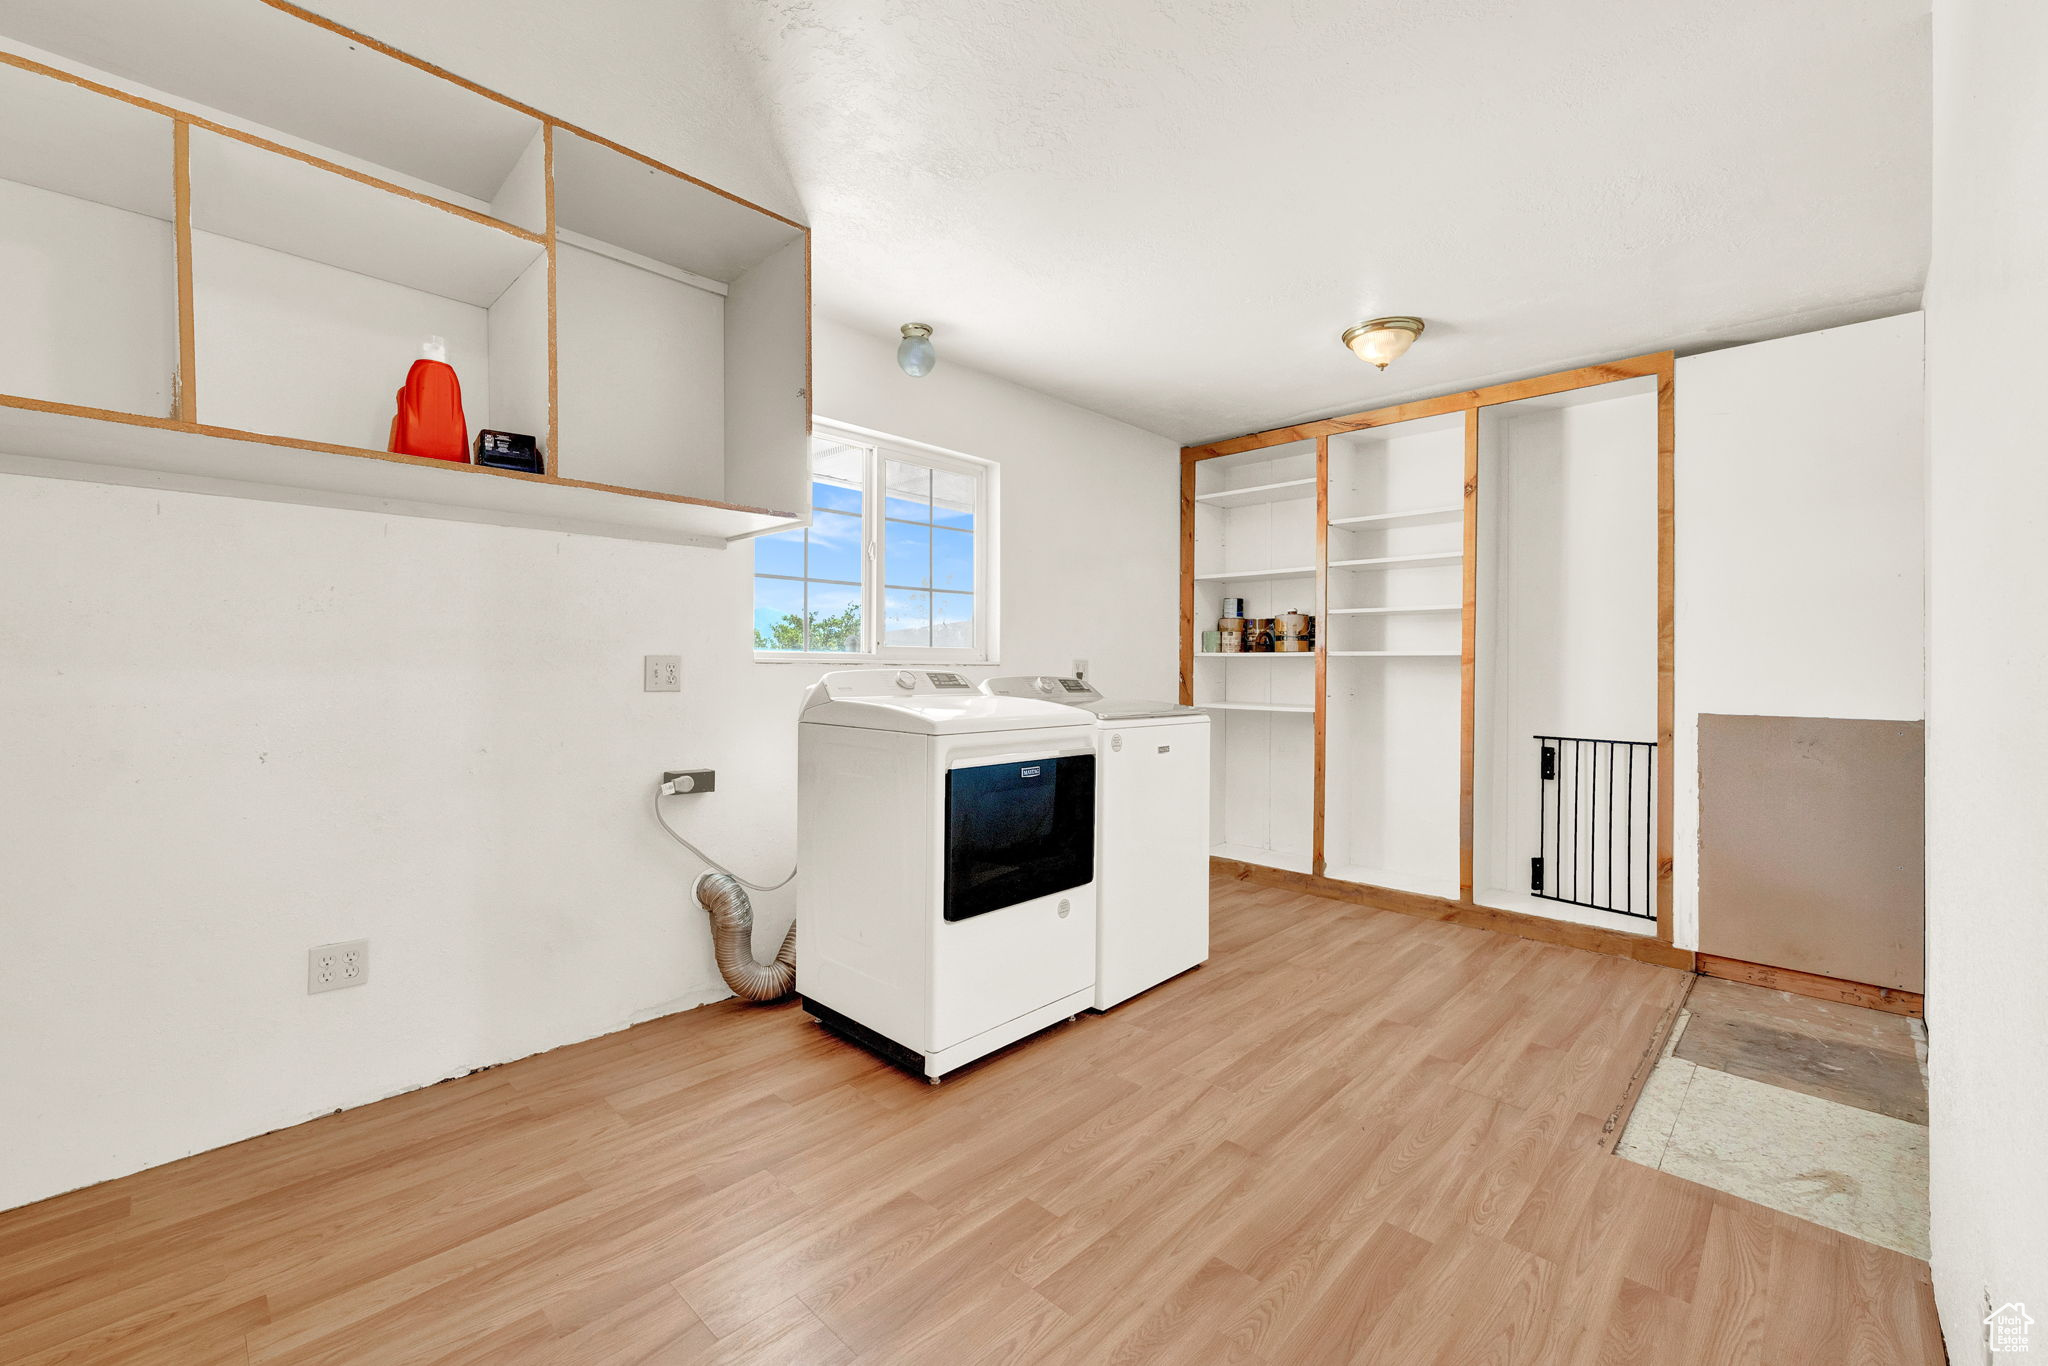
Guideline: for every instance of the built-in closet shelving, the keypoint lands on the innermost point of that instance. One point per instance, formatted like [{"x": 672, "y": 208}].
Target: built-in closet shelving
[
  {"x": 1430, "y": 542},
  {"x": 227, "y": 226},
  {"x": 1255, "y": 537}
]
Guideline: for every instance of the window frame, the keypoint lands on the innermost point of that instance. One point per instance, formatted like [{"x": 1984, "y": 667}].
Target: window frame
[{"x": 878, "y": 448}]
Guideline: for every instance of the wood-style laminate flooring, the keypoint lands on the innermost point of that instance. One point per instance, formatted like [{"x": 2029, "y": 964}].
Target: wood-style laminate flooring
[{"x": 1354, "y": 1136}]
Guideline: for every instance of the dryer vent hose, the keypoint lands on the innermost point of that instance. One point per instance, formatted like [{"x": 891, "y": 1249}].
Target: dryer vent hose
[{"x": 732, "y": 938}]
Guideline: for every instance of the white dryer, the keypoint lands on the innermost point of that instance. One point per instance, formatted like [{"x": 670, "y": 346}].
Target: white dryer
[
  {"x": 1152, "y": 841},
  {"x": 947, "y": 841}
]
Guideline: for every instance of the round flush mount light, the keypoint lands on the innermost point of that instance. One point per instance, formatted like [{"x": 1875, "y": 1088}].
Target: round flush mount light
[
  {"x": 915, "y": 353},
  {"x": 1382, "y": 340}
]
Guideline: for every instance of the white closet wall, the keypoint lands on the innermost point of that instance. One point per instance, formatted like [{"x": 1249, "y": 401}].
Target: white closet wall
[{"x": 1567, "y": 642}]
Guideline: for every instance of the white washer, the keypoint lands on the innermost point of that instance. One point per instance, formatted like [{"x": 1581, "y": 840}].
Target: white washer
[
  {"x": 1152, "y": 879},
  {"x": 947, "y": 841}
]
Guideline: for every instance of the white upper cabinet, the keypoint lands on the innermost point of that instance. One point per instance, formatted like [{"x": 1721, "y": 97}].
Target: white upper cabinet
[{"x": 227, "y": 229}]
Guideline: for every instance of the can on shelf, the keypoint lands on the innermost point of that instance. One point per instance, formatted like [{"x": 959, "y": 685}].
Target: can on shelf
[
  {"x": 1258, "y": 635},
  {"x": 1230, "y": 636},
  {"x": 1294, "y": 633}
]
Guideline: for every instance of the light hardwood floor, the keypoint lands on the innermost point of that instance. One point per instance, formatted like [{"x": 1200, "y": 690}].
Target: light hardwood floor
[{"x": 1354, "y": 1136}]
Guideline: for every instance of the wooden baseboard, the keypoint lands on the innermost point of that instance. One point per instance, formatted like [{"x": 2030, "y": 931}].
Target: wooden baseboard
[
  {"x": 1642, "y": 948},
  {"x": 1812, "y": 984}
]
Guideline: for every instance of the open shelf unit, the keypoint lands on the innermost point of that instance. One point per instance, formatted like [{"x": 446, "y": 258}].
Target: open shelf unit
[
  {"x": 1385, "y": 508},
  {"x": 1254, "y": 536},
  {"x": 228, "y": 226}
]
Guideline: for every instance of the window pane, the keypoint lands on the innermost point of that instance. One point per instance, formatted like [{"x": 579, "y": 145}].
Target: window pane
[
  {"x": 835, "y": 617},
  {"x": 782, "y": 553},
  {"x": 778, "y": 614},
  {"x": 907, "y": 618},
  {"x": 909, "y": 555},
  {"x": 835, "y": 547},
  {"x": 953, "y": 620},
  {"x": 953, "y": 498},
  {"x": 910, "y": 491},
  {"x": 837, "y": 473},
  {"x": 953, "y": 560}
]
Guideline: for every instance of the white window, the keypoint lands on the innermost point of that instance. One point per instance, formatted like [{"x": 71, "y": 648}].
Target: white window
[{"x": 895, "y": 564}]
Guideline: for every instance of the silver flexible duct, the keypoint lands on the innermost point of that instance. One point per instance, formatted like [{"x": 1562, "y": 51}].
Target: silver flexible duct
[{"x": 732, "y": 939}]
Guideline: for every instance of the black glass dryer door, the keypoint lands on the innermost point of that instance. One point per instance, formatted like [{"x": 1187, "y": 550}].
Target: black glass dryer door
[{"x": 1017, "y": 831}]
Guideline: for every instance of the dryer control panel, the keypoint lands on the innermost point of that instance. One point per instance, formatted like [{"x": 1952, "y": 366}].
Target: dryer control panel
[
  {"x": 893, "y": 683},
  {"x": 1051, "y": 687}
]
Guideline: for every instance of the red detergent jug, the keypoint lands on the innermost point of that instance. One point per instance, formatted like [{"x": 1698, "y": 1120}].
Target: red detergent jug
[{"x": 429, "y": 421}]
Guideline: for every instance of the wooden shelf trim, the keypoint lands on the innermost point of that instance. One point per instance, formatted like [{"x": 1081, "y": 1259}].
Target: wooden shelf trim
[
  {"x": 185, "y": 120},
  {"x": 355, "y": 36}
]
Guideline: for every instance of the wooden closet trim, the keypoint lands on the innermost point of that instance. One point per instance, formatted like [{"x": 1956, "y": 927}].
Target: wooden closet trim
[
  {"x": 1661, "y": 365},
  {"x": 1468, "y": 662},
  {"x": 1317, "y": 863}
]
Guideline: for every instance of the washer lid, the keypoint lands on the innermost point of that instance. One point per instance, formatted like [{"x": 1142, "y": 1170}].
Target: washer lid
[
  {"x": 924, "y": 702},
  {"x": 1075, "y": 692},
  {"x": 1134, "y": 710}
]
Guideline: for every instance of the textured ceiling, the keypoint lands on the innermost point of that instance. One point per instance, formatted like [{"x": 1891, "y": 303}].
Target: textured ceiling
[{"x": 1167, "y": 210}]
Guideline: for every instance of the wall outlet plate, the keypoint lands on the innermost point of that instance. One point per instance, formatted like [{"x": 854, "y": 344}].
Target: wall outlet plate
[
  {"x": 662, "y": 673},
  {"x": 330, "y": 967}
]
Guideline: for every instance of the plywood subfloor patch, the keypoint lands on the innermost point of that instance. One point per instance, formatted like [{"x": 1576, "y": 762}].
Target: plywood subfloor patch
[
  {"x": 1814, "y": 1108},
  {"x": 1354, "y": 1135}
]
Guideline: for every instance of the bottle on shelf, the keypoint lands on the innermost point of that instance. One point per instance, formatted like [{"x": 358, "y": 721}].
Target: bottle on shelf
[{"x": 429, "y": 419}]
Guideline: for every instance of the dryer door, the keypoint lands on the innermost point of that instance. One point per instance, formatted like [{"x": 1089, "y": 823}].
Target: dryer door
[{"x": 1017, "y": 830}]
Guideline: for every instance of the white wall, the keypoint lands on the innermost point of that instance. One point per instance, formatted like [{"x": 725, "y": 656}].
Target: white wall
[
  {"x": 1987, "y": 858},
  {"x": 233, "y": 730},
  {"x": 1798, "y": 545}
]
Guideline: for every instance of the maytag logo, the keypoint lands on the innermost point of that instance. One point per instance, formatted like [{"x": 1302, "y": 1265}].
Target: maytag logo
[{"x": 1031, "y": 772}]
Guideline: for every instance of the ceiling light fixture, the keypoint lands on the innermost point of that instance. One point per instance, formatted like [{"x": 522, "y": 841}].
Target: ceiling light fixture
[
  {"x": 915, "y": 353},
  {"x": 1381, "y": 341}
]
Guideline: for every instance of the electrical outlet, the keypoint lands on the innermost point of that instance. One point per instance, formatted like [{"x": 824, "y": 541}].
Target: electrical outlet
[
  {"x": 662, "y": 673},
  {"x": 331, "y": 967}
]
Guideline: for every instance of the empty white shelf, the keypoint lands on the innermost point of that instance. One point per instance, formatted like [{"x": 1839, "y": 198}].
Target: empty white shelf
[
  {"x": 1390, "y": 611},
  {"x": 1255, "y": 654},
  {"x": 1391, "y": 518},
  {"x": 143, "y": 454},
  {"x": 1386, "y": 561},
  {"x": 1269, "y": 858},
  {"x": 1224, "y": 575},
  {"x": 1304, "y": 708},
  {"x": 1260, "y": 493},
  {"x": 1398, "y": 654}
]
